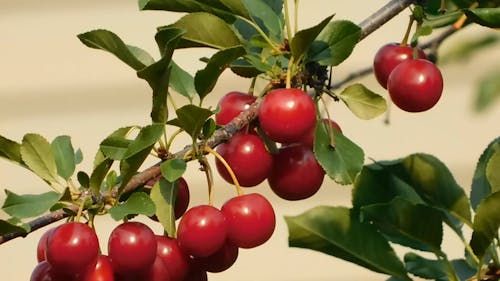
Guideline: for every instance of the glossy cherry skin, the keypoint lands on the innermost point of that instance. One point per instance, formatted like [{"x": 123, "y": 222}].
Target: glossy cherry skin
[
  {"x": 415, "y": 85},
  {"x": 219, "y": 261},
  {"x": 248, "y": 158},
  {"x": 176, "y": 261},
  {"x": 296, "y": 173},
  {"x": 157, "y": 272},
  {"x": 182, "y": 198},
  {"x": 250, "y": 220},
  {"x": 202, "y": 231},
  {"x": 42, "y": 245},
  {"x": 132, "y": 248},
  {"x": 72, "y": 248},
  {"x": 308, "y": 138},
  {"x": 231, "y": 105},
  {"x": 102, "y": 271},
  {"x": 285, "y": 115},
  {"x": 44, "y": 272},
  {"x": 197, "y": 275},
  {"x": 390, "y": 56}
]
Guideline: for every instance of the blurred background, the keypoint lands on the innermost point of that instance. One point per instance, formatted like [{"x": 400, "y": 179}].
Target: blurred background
[{"x": 51, "y": 84}]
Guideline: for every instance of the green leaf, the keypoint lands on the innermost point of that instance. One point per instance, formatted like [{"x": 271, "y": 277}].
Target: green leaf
[
  {"x": 335, "y": 43},
  {"x": 267, "y": 17},
  {"x": 304, "y": 38},
  {"x": 83, "y": 179},
  {"x": 78, "y": 156},
  {"x": 37, "y": 154},
  {"x": 10, "y": 150},
  {"x": 425, "y": 268},
  {"x": 64, "y": 155},
  {"x": 163, "y": 195},
  {"x": 173, "y": 169},
  {"x": 108, "y": 41},
  {"x": 244, "y": 69},
  {"x": 463, "y": 269},
  {"x": 442, "y": 20},
  {"x": 338, "y": 232},
  {"x": 486, "y": 224},
  {"x": 488, "y": 92},
  {"x": 140, "y": 54},
  {"x": 116, "y": 144},
  {"x": 205, "y": 79},
  {"x": 401, "y": 220},
  {"x": 222, "y": 8},
  {"x": 364, "y": 103},
  {"x": 480, "y": 184},
  {"x": 343, "y": 162},
  {"x": 137, "y": 203},
  {"x": 102, "y": 165},
  {"x": 182, "y": 82},
  {"x": 492, "y": 171},
  {"x": 191, "y": 118},
  {"x": 8, "y": 228},
  {"x": 205, "y": 30},
  {"x": 29, "y": 205},
  {"x": 158, "y": 74},
  {"x": 489, "y": 17},
  {"x": 209, "y": 128}
]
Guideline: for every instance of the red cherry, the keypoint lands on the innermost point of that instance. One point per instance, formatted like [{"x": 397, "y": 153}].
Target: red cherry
[
  {"x": 231, "y": 105},
  {"x": 221, "y": 260},
  {"x": 202, "y": 231},
  {"x": 42, "y": 245},
  {"x": 390, "y": 56},
  {"x": 182, "y": 199},
  {"x": 415, "y": 85},
  {"x": 131, "y": 248},
  {"x": 250, "y": 220},
  {"x": 102, "y": 271},
  {"x": 285, "y": 115},
  {"x": 196, "y": 275},
  {"x": 308, "y": 138},
  {"x": 247, "y": 156},
  {"x": 44, "y": 272},
  {"x": 157, "y": 272},
  {"x": 176, "y": 261},
  {"x": 296, "y": 173},
  {"x": 72, "y": 248}
]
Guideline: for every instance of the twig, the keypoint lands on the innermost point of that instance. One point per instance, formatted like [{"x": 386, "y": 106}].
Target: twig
[{"x": 369, "y": 25}]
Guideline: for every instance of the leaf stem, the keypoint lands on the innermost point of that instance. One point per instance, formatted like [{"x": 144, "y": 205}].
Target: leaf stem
[{"x": 262, "y": 33}]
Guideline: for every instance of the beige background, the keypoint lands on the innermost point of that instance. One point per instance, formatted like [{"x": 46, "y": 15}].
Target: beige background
[{"x": 52, "y": 85}]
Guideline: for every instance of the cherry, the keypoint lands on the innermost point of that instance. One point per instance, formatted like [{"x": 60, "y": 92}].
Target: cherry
[
  {"x": 296, "y": 173},
  {"x": 102, "y": 271},
  {"x": 250, "y": 220},
  {"x": 285, "y": 115},
  {"x": 196, "y": 275},
  {"x": 231, "y": 105},
  {"x": 308, "y": 138},
  {"x": 415, "y": 85},
  {"x": 157, "y": 272},
  {"x": 182, "y": 199},
  {"x": 176, "y": 261},
  {"x": 132, "y": 248},
  {"x": 221, "y": 260},
  {"x": 248, "y": 158},
  {"x": 72, "y": 248},
  {"x": 44, "y": 272},
  {"x": 390, "y": 56},
  {"x": 202, "y": 231},
  {"x": 42, "y": 245}
]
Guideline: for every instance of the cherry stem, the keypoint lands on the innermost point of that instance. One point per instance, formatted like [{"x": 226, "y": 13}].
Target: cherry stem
[
  {"x": 239, "y": 190},
  {"x": 205, "y": 166},
  {"x": 461, "y": 21},
  {"x": 289, "y": 73},
  {"x": 251, "y": 89},
  {"x": 404, "y": 42}
]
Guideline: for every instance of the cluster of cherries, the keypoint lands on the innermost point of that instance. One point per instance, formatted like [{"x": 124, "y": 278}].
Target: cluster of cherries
[
  {"x": 414, "y": 83},
  {"x": 287, "y": 117}
]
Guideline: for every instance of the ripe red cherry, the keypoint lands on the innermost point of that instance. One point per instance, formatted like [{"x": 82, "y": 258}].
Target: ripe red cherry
[
  {"x": 182, "y": 199},
  {"x": 296, "y": 173},
  {"x": 308, "y": 138},
  {"x": 157, "y": 272},
  {"x": 250, "y": 220},
  {"x": 231, "y": 105},
  {"x": 197, "y": 275},
  {"x": 248, "y": 158},
  {"x": 219, "y": 261},
  {"x": 42, "y": 245},
  {"x": 390, "y": 56},
  {"x": 202, "y": 231},
  {"x": 131, "y": 248},
  {"x": 72, "y": 248},
  {"x": 176, "y": 261},
  {"x": 415, "y": 85},
  {"x": 285, "y": 115},
  {"x": 102, "y": 271},
  {"x": 44, "y": 272}
]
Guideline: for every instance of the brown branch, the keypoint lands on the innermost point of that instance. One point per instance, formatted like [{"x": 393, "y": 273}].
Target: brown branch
[{"x": 369, "y": 25}]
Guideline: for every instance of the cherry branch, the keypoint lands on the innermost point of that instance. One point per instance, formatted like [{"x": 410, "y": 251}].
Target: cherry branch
[{"x": 368, "y": 26}]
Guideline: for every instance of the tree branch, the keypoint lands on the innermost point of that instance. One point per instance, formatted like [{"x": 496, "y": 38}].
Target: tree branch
[{"x": 368, "y": 26}]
